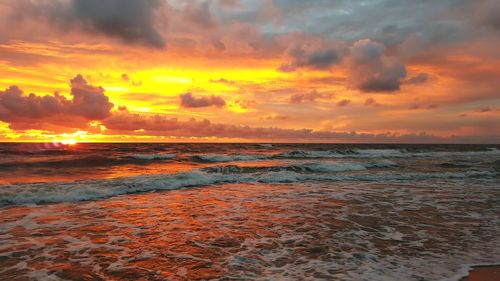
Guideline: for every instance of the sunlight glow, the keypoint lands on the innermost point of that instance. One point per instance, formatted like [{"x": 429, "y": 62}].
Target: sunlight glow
[{"x": 69, "y": 142}]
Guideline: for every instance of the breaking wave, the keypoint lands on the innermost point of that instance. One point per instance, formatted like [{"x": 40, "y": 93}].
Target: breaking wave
[
  {"x": 100, "y": 189},
  {"x": 384, "y": 153},
  {"x": 229, "y": 158},
  {"x": 302, "y": 168},
  {"x": 350, "y": 153},
  {"x": 154, "y": 156}
]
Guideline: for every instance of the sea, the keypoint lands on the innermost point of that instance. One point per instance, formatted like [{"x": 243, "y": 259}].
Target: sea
[{"x": 199, "y": 211}]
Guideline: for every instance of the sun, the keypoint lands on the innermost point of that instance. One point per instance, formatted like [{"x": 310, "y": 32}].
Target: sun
[{"x": 69, "y": 142}]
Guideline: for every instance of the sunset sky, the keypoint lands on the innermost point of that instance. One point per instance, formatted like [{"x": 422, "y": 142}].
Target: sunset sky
[{"x": 249, "y": 70}]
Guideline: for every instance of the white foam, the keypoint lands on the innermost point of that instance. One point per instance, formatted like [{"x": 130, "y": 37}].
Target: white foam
[
  {"x": 355, "y": 154},
  {"x": 154, "y": 156},
  {"x": 385, "y": 153},
  {"x": 265, "y": 145},
  {"x": 98, "y": 189},
  {"x": 347, "y": 166},
  {"x": 231, "y": 158}
]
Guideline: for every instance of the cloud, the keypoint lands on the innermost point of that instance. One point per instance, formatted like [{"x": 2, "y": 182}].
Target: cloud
[
  {"x": 311, "y": 97},
  {"x": 161, "y": 125},
  {"x": 371, "y": 101},
  {"x": 223, "y": 81},
  {"x": 14, "y": 105},
  {"x": 276, "y": 117},
  {"x": 199, "y": 13},
  {"x": 370, "y": 70},
  {"x": 137, "y": 22},
  {"x": 87, "y": 103},
  {"x": 343, "y": 102},
  {"x": 417, "y": 79},
  {"x": 126, "y": 121},
  {"x": 90, "y": 103},
  {"x": 188, "y": 101},
  {"x": 130, "y": 20},
  {"x": 416, "y": 106},
  {"x": 305, "y": 56},
  {"x": 483, "y": 109},
  {"x": 488, "y": 13}
]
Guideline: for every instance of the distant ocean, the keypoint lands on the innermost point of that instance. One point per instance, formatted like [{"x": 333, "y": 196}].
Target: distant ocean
[{"x": 247, "y": 211}]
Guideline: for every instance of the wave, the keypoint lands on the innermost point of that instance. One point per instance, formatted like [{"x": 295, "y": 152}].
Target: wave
[
  {"x": 384, "y": 153},
  {"x": 298, "y": 154},
  {"x": 77, "y": 161},
  {"x": 453, "y": 165},
  {"x": 154, "y": 156},
  {"x": 265, "y": 144},
  {"x": 496, "y": 165},
  {"x": 303, "y": 168},
  {"x": 74, "y": 161},
  {"x": 350, "y": 153},
  {"x": 229, "y": 158},
  {"x": 101, "y": 189}
]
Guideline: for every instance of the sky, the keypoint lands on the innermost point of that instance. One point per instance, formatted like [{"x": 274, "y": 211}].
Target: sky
[{"x": 391, "y": 71}]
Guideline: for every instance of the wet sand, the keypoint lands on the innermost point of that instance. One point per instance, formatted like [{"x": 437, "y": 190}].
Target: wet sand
[
  {"x": 484, "y": 273},
  {"x": 309, "y": 231}
]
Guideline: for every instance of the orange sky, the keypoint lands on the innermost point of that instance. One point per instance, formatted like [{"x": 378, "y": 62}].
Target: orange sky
[{"x": 226, "y": 70}]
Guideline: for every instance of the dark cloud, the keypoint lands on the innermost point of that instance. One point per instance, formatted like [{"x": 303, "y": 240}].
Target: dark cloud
[
  {"x": 370, "y": 101},
  {"x": 311, "y": 97},
  {"x": 223, "y": 81},
  {"x": 199, "y": 13},
  {"x": 416, "y": 106},
  {"x": 218, "y": 45},
  {"x": 88, "y": 102},
  {"x": 229, "y": 3},
  {"x": 417, "y": 79},
  {"x": 343, "y": 102},
  {"x": 308, "y": 57},
  {"x": 130, "y": 20},
  {"x": 483, "y": 109},
  {"x": 370, "y": 70},
  {"x": 14, "y": 105},
  {"x": 488, "y": 13},
  {"x": 188, "y": 100}
]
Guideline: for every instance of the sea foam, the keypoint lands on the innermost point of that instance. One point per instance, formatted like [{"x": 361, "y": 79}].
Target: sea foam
[
  {"x": 105, "y": 188},
  {"x": 154, "y": 156}
]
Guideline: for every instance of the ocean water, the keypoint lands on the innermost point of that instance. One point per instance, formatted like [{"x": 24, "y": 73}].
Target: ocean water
[{"x": 247, "y": 211}]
